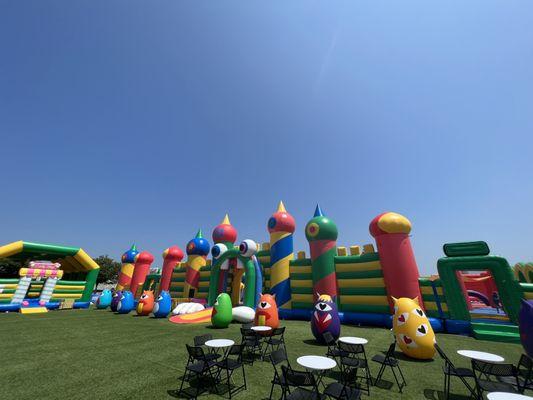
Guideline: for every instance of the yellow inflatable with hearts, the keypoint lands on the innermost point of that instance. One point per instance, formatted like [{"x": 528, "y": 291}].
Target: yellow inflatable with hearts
[{"x": 412, "y": 329}]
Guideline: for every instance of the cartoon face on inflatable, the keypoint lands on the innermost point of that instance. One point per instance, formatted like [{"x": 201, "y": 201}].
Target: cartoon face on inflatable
[
  {"x": 325, "y": 318},
  {"x": 104, "y": 299},
  {"x": 126, "y": 303},
  {"x": 525, "y": 326},
  {"x": 221, "y": 315},
  {"x": 146, "y": 303},
  {"x": 163, "y": 305},
  {"x": 266, "y": 312},
  {"x": 114, "y": 301},
  {"x": 412, "y": 329}
]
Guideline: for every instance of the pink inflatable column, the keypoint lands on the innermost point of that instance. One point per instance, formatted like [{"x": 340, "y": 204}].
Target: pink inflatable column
[
  {"x": 398, "y": 263},
  {"x": 171, "y": 257},
  {"x": 143, "y": 261}
]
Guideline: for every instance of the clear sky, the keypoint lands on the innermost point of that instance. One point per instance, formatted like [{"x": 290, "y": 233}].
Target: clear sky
[{"x": 143, "y": 121}]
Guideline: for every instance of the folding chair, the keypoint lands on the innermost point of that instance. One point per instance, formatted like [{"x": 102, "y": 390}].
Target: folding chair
[
  {"x": 252, "y": 343},
  {"x": 525, "y": 374},
  {"x": 198, "y": 366},
  {"x": 230, "y": 363},
  {"x": 483, "y": 371},
  {"x": 451, "y": 370},
  {"x": 388, "y": 360},
  {"x": 276, "y": 339},
  {"x": 200, "y": 341},
  {"x": 354, "y": 357},
  {"x": 333, "y": 350},
  {"x": 344, "y": 389},
  {"x": 277, "y": 358},
  {"x": 304, "y": 382}
]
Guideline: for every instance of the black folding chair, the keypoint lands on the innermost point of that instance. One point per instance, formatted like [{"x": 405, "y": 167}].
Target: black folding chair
[
  {"x": 388, "y": 360},
  {"x": 252, "y": 343},
  {"x": 333, "y": 350},
  {"x": 230, "y": 363},
  {"x": 354, "y": 357},
  {"x": 484, "y": 371},
  {"x": 277, "y": 359},
  {"x": 200, "y": 341},
  {"x": 275, "y": 339},
  {"x": 344, "y": 389},
  {"x": 304, "y": 384},
  {"x": 200, "y": 367},
  {"x": 525, "y": 374},
  {"x": 451, "y": 370}
]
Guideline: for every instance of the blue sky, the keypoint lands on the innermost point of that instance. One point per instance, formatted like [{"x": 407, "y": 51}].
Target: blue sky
[{"x": 140, "y": 121}]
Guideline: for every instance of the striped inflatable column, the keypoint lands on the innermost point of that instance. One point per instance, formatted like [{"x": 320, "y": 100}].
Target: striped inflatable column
[
  {"x": 171, "y": 257},
  {"x": 321, "y": 232},
  {"x": 400, "y": 271},
  {"x": 197, "y": 250},
  {"x": 281, "y": 227},
  {"x": 126, "y": 271}
]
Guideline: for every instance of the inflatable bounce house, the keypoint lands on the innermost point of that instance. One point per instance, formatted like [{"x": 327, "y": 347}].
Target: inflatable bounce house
[
  {"x": 362, "y": 282},
  {"x": 66, "y": 279}
]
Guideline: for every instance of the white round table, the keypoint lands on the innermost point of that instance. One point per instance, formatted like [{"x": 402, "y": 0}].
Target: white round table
[
  {"x": 507, "y": 396},
  {"x": 480, "y": 355},
  {"x": 219, "y": 343},
  {"x": 317, "y": 363},
  {"x": 353, "y": 340},
  {"x": 261, "y": 328}
]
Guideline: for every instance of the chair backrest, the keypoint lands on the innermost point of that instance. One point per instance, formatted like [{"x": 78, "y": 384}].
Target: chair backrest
[
  {"x": 235, "y": 350},
  {"x": 298, "y": 378},
  {"x": 195, "y": 352},
  {"x": 443, "y": 355},
  {"x": 247, "y": 325},
  {"x": 351, "y": 348},
  {"x": 495, "y": 369},
  {"x": 349, "y": 375},
  {"x": 525, "y": 364},
  {"x": 278, "y": 356},
  {"x": 200, "y": 340},
  {"x": 329, "y": 339},
  {"x": 278, "y": 331}
]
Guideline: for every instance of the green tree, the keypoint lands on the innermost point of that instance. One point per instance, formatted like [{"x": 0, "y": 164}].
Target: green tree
[
  {"x": 109, "y": 269},
  {"x": 9, "y": 268}
]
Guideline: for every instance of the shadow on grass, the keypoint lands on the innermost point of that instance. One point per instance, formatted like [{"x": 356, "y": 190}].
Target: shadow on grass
[
  {"x": 431, "y": 394},
  {"x": 313, "y": 342}
]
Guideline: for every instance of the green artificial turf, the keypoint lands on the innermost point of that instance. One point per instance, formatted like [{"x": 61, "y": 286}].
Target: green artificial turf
[{"x": 95, "y": 354}]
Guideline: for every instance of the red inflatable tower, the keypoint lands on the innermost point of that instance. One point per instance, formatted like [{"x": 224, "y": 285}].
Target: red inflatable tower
[{"x": 398, "y": 263}]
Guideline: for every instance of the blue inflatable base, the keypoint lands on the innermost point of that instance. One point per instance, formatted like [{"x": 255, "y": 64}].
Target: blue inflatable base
[
  {"x": 458, "y": 327},
  {"x": 9, "y": 307}
]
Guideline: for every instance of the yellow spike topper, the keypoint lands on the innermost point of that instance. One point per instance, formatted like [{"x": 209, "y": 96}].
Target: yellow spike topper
[{"x": 412, "y": 329}]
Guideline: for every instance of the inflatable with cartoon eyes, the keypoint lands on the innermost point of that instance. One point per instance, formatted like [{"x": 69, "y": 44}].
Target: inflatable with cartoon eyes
[
  {"x": 266, "y": 312},
  {"x": 325, "y": 318},
  {"x": 412, "y": 329}
]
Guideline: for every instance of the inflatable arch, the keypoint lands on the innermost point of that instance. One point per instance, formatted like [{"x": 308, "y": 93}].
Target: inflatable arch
[
  {"x": 474, "y": 256},
  {"x": 246, "y": 265}
]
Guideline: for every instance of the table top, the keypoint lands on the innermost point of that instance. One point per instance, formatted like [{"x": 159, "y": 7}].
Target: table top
[
  {"x": 219, "y": 343},
  {"x": 480, "y": 355},
  {"x": 507, "y": 396},
  {"x": 353, "y": 340},
  {"x": 262, "y": 328},
  {"x": 316, "y": 362}
]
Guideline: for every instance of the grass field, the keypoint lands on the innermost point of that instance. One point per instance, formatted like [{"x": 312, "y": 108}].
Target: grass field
[{"x": 94, "y": 354}]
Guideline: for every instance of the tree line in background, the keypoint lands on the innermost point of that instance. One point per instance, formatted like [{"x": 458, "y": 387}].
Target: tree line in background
[{"x": 109, "y": 269}]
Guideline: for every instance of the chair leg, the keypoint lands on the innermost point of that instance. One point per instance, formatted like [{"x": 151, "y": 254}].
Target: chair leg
[{"x": 244, "y": 377}]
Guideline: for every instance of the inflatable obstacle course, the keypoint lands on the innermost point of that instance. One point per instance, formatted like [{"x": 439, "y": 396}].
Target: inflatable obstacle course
[
  {"x": 42, "y": 285},
  {"x": 361, "y": 280}
]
